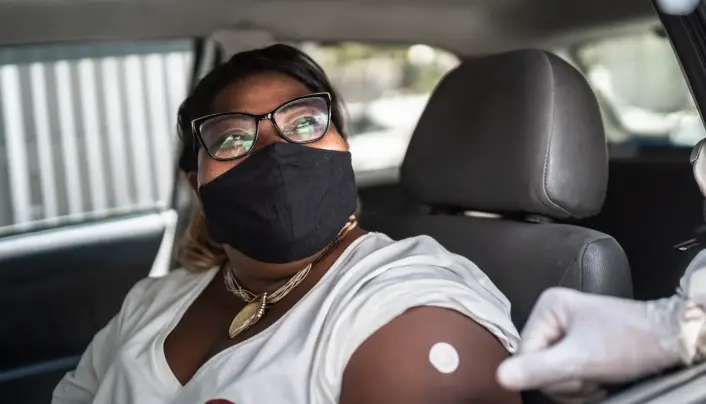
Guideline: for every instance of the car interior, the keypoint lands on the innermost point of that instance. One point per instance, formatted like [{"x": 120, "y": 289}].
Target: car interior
[
  {"x": 556, "y": 171},
  {"x": 548, "y": 141}
]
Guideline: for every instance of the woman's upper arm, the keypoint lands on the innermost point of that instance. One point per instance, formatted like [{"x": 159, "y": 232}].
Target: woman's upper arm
[
  {"x": 81, "y": 384},
  {"x": 394, "y": 365}
]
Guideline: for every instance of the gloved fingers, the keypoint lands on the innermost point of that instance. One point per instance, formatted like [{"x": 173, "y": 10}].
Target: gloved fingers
[
  {"x": 540, "y": 335},
  {"x": 548, "y": 321},
  {"x": 535, "y": 370}
]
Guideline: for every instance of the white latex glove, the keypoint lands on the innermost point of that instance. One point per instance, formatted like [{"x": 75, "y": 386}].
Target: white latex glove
[{"x": 573, "y": 341}]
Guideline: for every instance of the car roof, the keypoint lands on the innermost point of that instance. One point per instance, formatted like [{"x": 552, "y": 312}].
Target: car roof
[{"x": 463, "y": 26}]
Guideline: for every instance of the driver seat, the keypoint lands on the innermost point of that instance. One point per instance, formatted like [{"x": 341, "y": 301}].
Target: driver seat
[{"x": 508, "y": 147}]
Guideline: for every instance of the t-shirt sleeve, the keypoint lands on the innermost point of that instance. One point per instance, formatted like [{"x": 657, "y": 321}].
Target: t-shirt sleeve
[
  {"x": 441, "y": 280},
  {"x": 81, "y": 384},
  {"x": 388, "y": 296}
]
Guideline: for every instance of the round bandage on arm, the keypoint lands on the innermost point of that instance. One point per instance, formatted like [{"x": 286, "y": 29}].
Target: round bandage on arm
[{"x": 444, "y": 357}]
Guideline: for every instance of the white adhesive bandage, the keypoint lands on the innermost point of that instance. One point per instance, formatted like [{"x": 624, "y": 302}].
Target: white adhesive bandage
[{"x": 444, "y": 357}]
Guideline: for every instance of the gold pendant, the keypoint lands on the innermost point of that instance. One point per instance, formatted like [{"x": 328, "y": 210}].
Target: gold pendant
[{"x": 247, "y": 317}]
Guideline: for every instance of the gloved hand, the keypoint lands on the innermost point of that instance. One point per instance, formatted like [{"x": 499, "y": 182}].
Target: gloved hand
[{"x": 573, "y": 340}]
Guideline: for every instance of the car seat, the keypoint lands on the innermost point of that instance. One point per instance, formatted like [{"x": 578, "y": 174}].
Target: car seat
[{"x": 508, "y": 147}]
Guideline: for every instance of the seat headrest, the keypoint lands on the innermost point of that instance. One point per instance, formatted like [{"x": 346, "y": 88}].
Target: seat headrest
[{"x": 519, "y": 132}]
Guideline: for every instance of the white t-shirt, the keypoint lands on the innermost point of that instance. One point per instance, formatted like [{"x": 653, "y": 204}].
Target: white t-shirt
[{"x": 300, "y": 358}]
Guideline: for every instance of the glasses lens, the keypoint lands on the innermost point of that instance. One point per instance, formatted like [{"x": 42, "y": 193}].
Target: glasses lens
[
  {"x": 229, "y": 136},
  {"x": 304, "y": 120}
]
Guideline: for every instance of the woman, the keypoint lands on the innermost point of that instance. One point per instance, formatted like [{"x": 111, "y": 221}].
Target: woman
[{"x": 285, "y": 299}]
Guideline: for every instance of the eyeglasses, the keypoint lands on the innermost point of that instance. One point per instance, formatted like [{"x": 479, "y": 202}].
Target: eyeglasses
[{"x": 232, "y": 135}]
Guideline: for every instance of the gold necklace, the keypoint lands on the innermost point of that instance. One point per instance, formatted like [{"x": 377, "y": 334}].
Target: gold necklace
[{"x": 256, "y": 305}]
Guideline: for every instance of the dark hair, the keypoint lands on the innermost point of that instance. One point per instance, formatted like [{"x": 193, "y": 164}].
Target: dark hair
[{"x": 276, "y": 58}]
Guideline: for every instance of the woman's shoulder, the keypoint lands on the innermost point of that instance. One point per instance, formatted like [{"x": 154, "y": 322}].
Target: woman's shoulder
[
  {"x": 383, "y": 257},
  {"x": 151, "y": 287},
  {"x": 379, "y": 258},
  {"x": 388, "y": 248},
  {"x": 152, "y": 297},
  {"x": 385, "y": 277}
]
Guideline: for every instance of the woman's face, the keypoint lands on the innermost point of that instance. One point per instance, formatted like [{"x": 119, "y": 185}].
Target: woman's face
[{"x": 259, "y": 94}]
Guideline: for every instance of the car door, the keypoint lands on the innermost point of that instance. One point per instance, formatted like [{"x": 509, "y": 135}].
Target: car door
[{"x": 87, "y": 157}]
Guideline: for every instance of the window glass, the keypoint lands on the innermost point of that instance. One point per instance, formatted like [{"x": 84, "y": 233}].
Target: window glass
[
  {"x": 87, "y": 130},
  {"x": 644, "y": 95},
  {"x": 385, "y": 89}
]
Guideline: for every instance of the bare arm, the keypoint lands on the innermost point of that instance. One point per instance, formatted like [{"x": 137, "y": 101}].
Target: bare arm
[{"x": 394, "y": 365}]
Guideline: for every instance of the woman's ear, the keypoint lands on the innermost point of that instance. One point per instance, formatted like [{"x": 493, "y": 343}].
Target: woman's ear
[{"x": 193, "y": 181}]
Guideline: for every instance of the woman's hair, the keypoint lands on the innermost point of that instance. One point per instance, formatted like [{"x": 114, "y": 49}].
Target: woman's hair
[{"x": 196, "y": 250}]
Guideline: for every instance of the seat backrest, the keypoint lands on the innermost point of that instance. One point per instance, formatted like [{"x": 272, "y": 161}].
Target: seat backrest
[
  {"x": 508, "y": 146},
  {"x": 524, "y": 259}
]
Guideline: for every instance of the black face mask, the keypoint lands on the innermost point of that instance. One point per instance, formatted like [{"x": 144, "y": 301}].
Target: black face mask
[{"x": 284, "y": 203}]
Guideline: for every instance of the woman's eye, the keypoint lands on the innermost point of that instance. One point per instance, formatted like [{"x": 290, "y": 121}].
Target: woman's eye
[
  {"x": 231, "y": 141},
  {"x": 302, "y": 126},
  {"x": 234, "y": 144}
]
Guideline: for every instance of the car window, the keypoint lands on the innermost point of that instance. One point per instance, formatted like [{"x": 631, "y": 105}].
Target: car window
[
  {"x": 87, "y": 130},
  {"x": 641, "y": 88},
  {"x": 385, "y": 89}
]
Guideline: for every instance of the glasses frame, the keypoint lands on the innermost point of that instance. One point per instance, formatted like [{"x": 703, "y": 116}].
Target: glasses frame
[{"x": 197, "y": 123}]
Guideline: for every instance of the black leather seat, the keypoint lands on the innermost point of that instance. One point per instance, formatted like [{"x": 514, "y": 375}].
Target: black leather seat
[
  {"x": 652, "y": 204},
  {"x": 518, "y": 137}
]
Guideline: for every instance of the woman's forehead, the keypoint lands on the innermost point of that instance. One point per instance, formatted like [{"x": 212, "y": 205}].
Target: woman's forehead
[{"x": 259, "y": 93}]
